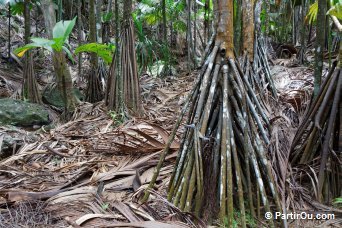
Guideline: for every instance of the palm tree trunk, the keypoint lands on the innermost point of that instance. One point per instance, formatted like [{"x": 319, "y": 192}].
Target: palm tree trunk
[
  {"x": 225, "y": 30},
  {"x": 225, "y": 129},
  {"x": 123, "y": 90},
  {"x": 30, "y": 86},
  {"x": 248, "y": 28},
  {"x": 319, "y": 46},
  {"x": 164, "y": 22}
]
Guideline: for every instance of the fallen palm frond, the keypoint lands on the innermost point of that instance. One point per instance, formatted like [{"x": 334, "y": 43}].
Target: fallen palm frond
[
  {"x": 86, "y": 172},
  {"x": 176, "y": 213},
  {"x": 316, "y": 148},
  {"x": 164, "y": 98},
  {"x": 25, "y": 214}
]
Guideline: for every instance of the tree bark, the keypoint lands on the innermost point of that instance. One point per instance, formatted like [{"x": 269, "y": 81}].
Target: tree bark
[
  {"x": 319, "y": 46},
  {"x": 248, "y": 28},
  {"x": 117, "y": 29},
  {"x": 92, "y": 31},
  {"x": 49, "y": 16},
  {"x": 64, "y": 81},
  {"x": 98, "y": 16},
  {"x": 123, "y": 90},
  {"x": 30, "y": 86},
  {"x": 79, "y": 37},
  {"x": 206, "y": 21},
  {"x": 94, "y": 91},
  {"x": 225, "y": 29},
  {"x": 237, "y": 25},
  {"x": 267, "y": 17},
  {"x": 164, "y": 22}
]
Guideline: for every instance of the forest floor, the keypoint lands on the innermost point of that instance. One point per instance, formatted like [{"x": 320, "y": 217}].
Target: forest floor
[{"x": 92, "y": 170}]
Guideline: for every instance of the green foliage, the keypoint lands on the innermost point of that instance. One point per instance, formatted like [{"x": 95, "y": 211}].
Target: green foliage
[
  {"x": 250, "y": 221},
  {"x": 209, "y": 15},
  {"x": 312, "y": 14},
  {"x": 59, "y": 42},
  {"x": 150, "y": 12},
  {"x": 106, "y": 17},
  {"x": 105, "y": 206},
  {"x": 149, "y": 48},
  {"x": 17, "y": 6},
  {"x": 118, "y": 119},
  {"x": 144, "y": 46},
  {"x": 63, "y": 29},
  {"x": 179, "y": 26},
  {"x": 336, "y": 10},
  {"x": 61, "y": 33},
  {"x": 102, "y": 50},
  {"x": 338, "y": 202}
]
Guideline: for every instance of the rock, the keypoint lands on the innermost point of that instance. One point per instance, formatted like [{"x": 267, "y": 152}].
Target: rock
[
  {"x": 12, "y": 138},
  {"x": 8, "y": 145},
  {"x": 21, "y": 113},
  {"x": 53, "y": 97}
]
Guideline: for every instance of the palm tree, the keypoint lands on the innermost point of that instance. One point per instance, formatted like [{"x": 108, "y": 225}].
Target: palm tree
[
  {"x": 222, "y": 164},
  {"x": 30, "y": 87},
  {"x": 63, "y": 76},
  {"x": 123, "y": 89},
  {"x": 318, "y": 140},
  {"x": 94, "y": 91}
]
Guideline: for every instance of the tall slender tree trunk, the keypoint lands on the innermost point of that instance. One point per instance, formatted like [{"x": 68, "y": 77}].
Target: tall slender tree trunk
[
  {"x": 107, "y": 25},
  {"x": 164, "y": 22},
  {"x": 320, "y": 43},
  {"x": 301, "y": 55},
  {"x": 79, "y": 37},
  {"x": 98, "y": 14},
  {"x": 123, "y": 87},
  {"x": 92, "y": 31},
  {"x": 267, "y": 17},
  {"x": 30, "y": 86},
  {"x": 206, "y": 21},
  {"x": 94, "y": 90},
  {"x": 189, "y": 34},
  {"x": 60, "y": 10},
  {"x": 195, "y": 34},
  {"x": 116, "y": 18},
  {"x": 9, "y": 31}
]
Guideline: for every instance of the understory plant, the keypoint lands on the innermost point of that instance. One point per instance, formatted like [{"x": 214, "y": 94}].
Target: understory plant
[{"x": 59, "y": 46}]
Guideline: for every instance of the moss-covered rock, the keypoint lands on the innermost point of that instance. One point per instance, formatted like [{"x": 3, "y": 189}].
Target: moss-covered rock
[
  {"x": 21, "y": 113},
  {"x": 52, "y": 96}
]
